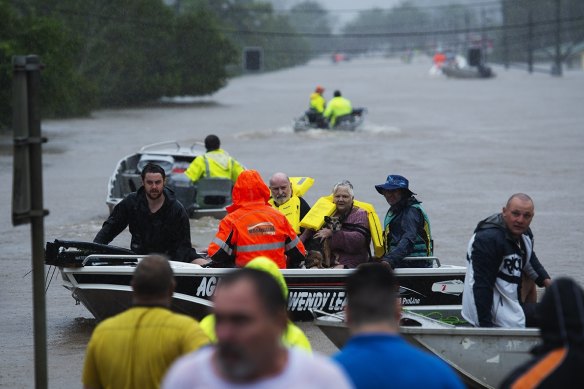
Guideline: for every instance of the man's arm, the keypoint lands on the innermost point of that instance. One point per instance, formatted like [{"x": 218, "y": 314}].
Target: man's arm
[
  {"x": 196, "y": 169},
  {"x": 410, "y": 223},
  {"x": 115, "y": 223},
  {"x": 180, "y": 247},
  {"x": 295, "y": 252},
  {"x": 486, "y": 259},
  {"x": 538, "y": 272},
  {"x": 220, "y": 249}
]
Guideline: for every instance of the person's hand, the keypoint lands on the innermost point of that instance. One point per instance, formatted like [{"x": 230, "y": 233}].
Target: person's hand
[
  {"x": 323, "y": 234},
  {"x": 547, "y": 282},
  {"x": 201, "y": 261}
]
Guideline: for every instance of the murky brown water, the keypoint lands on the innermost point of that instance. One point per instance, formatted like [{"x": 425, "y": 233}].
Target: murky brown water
[{"x": 465, "y": 145}]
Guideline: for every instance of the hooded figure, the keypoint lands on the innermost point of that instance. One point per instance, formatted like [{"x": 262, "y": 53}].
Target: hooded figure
[
  {"x": 293, "y": 337},
  {"x": 558, "y": 361},
  {"x": 253, "y": 228}
]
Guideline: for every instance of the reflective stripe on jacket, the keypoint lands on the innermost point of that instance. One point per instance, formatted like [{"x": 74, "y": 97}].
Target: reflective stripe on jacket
[
  {"x": 216, "y": 163},
  {"x": 253, "y": 228}
]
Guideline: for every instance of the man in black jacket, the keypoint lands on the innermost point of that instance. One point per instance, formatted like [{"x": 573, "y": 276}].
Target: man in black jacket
[
  {"x": 406, "y": 225},
  {"x": 158, "y": 222}
]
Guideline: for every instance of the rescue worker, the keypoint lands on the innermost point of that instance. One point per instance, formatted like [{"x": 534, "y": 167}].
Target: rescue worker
[
  {"x": 336, "y": 108},
  {"x": 317, "y": 101},
  {"x": 284, "y": 200},
  {"x": 216, "y": 162},
  {"x": 406, "y": 225},
  {"x": 293, "y": 336},
  {"x": 316, "y": 108},
  {"x": 253, "y": 228}
]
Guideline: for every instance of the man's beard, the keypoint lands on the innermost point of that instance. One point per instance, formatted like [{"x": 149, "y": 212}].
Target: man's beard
[
  {"x": 281, "y": 199},
  {"x": 153, "y": 196},
  {"x": 234, "y": 363}
]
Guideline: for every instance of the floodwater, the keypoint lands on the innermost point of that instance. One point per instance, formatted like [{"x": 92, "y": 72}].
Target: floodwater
[{"x": 465, "y": 145}]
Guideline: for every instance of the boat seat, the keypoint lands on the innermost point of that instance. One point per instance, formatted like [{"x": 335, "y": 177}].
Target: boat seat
[
  {"x": 213, "y": 192},
  {"x": 129, "y": 183}
]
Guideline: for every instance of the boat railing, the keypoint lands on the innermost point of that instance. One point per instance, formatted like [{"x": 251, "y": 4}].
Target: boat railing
[
  {"x": 159, "y": 144},
  {"x": 110, "y": 259},
  {"x": 435, "y": 261},
  {"x": 197, "y": 145}
]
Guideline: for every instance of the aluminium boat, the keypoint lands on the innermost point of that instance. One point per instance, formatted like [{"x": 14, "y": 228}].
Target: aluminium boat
[
  {"x": 98, "y": 276},
  {"x": 482, "y": 357},
  {"x": 206, "y": 197}
]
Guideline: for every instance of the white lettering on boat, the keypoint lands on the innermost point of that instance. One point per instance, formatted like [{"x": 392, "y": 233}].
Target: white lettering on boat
[
  {"x": 410, "y": 301},
  {"x": 206, "y": 287},
  {"x": 302, "y": 301}
]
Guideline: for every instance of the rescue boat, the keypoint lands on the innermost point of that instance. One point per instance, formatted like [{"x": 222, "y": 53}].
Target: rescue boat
[
  {"x": 482, "y": 357},
  {"x": 206, "y": 197},
  {"x": 98, "y": 277}
]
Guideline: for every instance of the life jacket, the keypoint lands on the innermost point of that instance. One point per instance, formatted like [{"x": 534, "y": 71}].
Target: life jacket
[
  {"x": 290, "y": 209},
  {"x": 324, "y": 206},
  {"x": 423, "y": 246}
]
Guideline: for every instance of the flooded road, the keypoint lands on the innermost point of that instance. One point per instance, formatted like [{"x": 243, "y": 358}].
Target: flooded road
[{"x": 465, "y": 146}]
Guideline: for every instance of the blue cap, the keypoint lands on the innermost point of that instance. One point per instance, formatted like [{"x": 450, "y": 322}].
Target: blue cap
[{"x": 394, "y": 182}]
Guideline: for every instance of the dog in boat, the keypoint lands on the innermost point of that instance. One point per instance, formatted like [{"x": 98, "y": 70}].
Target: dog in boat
[{"x": 325, "y": 258}]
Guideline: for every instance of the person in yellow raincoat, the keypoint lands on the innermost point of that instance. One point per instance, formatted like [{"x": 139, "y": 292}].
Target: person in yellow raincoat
[{"x": 294, "y": 336}]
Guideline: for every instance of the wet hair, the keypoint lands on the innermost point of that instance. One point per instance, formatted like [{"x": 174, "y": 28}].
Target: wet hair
[
  {"x": 152, "y": 168},
  {"x": 344, "y": 184},
  {"x": 153, "y": 277},
  {"x": 520, "y": 196},
  {"x": 267, "y": 289},
  {"x": 371, "y": 293},
  {"x": 337, "y": 93},
  {"x": 212, "y": 142}
]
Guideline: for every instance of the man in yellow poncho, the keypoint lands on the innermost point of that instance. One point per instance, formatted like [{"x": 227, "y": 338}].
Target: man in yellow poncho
[{"x": 293, "y": 337}]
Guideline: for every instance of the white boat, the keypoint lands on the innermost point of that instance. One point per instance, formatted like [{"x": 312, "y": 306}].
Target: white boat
[
  {"x": 206, "y": 197},
  {"x": 482, "y": 357},
  {"x": 99, "y": 276}
]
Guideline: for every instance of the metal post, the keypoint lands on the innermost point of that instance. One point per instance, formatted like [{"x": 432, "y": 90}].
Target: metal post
[
  {"x": 557, "y": 68},
  {"x": 37, "y": 220},
  {"x": 28, "y": 198}
]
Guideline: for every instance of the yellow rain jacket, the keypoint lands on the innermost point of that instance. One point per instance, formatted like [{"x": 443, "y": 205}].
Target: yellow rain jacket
[
  {"x": 215, "y": 163},
  {"x": 293, "y": 337}
]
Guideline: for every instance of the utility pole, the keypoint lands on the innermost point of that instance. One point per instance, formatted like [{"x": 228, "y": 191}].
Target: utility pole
[
  {"x": 27, "y": 196},
  {"x": 557, "y": 68}
]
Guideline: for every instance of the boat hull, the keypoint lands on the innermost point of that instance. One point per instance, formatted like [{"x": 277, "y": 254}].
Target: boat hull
[
  {"x": 482, "y": 357},
  {"x": 105, "y": 289}
]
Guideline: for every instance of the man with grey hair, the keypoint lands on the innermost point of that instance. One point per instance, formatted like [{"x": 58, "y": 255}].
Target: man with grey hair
[
  {"x": 284, "y": 200},
  {"x": 499, "y": 253},
  {"x": 135, "y": 348},
  {"x": 372, "y": 314},
  {"x": 250, "y": 319}
]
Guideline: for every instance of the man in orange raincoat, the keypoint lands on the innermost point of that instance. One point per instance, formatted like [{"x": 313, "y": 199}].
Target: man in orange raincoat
[{"x": 253, "y": 228}]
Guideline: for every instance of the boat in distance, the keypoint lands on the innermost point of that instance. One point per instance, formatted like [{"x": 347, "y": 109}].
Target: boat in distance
[
  {"x": 206, "y": 197},
  {"x": 99, "y": 277}
]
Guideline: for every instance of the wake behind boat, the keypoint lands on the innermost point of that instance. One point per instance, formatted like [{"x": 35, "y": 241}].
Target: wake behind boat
[
  {"x": 482, "y": 357},
  {"x": 99, "y": 277}
]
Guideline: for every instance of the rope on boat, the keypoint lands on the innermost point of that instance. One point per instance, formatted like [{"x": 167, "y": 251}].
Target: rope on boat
[{"x": 453, "y": 320}]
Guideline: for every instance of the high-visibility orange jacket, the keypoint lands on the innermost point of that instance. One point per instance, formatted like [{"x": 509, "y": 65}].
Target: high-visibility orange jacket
[{"x": 253, "y": 228}]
